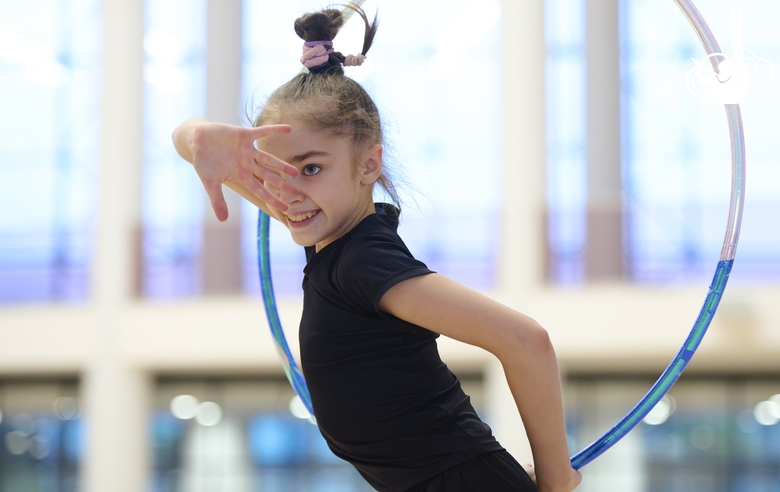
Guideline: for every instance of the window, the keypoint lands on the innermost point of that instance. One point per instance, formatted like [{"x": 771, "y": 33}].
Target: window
[
  {"x": 50, "y": 95},
  {"x": 677, "y": 154},
  {"x": 233, "y": 433},
  {"x": 173, "y": 199},
  {"x": 41, "y": 431},
  {"x": 240, "y": 434},
  {"x": 675, "y": 146},
  {"x": 714, "y": 434},
  {"x": 566, "y": 161}
]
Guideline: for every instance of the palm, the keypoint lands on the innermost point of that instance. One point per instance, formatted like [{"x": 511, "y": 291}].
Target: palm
[{"x": 227, "y": 154}]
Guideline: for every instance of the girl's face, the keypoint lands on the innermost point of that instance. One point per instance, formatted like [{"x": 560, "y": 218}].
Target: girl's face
[{"x": 334, "y": 185}]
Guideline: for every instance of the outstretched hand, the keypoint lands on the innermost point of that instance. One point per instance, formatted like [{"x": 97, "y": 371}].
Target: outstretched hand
[{"x": 224, "y": 153}]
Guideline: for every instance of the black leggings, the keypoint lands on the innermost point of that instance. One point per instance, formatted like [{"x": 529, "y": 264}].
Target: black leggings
[{"x": 496, "y": 471}]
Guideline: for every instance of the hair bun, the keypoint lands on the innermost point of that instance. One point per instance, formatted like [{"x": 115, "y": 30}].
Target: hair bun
[{"x": 319, "y": 26}]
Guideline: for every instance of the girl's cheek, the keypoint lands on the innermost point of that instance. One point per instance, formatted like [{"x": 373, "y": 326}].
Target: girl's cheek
[{"x": 278, "y": 214}]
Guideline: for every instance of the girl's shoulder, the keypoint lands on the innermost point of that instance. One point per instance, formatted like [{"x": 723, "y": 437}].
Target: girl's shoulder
[
  {"x": 385, "y": 219},
  {"x": 372, "y": 248},
  {"x": 376, "y": 234},
  {"x": 371, "y": 262}
]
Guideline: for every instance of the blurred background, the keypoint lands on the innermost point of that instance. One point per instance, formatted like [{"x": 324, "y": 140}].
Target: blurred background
[{"x": 548, "y": 155}]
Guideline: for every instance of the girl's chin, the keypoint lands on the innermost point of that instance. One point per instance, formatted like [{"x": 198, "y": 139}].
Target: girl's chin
[{"x": 303, "y": 242}]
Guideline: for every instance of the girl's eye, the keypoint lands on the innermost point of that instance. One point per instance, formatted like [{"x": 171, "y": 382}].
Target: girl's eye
[{"x": 310, "y": 169}]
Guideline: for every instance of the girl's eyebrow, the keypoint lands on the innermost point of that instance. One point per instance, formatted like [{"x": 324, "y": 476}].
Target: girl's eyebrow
[{"x": 302, "y": 157}]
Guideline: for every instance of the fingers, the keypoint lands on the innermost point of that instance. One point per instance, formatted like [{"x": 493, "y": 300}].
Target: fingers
[
  {"x": 273, "y": 179},
  {"x": 529, "y": 468},
  {"x": 577, "y": 477},
  {"x": 272, "y": 162},
  {"x": 265, "y": 130},
  {"x": 266, "y": 195},
  {"x": 217, "y": 199},
  {"x": 267, "y": 159},
  {"x": 290, "y": 188}
]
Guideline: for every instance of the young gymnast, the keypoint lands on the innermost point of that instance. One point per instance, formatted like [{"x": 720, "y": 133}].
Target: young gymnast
[{"x": 383, "y": 399}]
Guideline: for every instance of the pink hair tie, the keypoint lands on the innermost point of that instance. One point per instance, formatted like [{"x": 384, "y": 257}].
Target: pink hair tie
[{"x": 315, "y": 53}]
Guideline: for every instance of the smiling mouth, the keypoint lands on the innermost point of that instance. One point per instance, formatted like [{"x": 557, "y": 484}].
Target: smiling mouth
[{"x": 302, "y": 217}]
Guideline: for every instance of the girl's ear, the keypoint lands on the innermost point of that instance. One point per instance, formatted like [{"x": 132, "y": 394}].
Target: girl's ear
[{"x": 371, "y": 167}]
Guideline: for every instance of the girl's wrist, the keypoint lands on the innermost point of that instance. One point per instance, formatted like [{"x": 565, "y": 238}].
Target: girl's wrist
[
  {"x": 195, "y": 125},
  {"x": 183, "y": 137},
  {"x": 564, "y": 481}
]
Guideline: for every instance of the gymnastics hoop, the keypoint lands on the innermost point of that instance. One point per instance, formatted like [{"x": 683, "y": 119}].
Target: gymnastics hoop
[
  {"x": 692, "y": 342},
  {"x": 680, "y": 361}
]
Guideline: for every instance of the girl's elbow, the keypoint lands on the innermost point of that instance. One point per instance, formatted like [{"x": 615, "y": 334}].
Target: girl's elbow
[
  {"x": 540, "y": 339},
  {"x": 531, "y": 338}
]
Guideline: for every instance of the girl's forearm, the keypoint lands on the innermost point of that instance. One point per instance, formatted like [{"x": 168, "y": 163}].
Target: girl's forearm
[
  {"x": 246, "y": 194},
  {"x": 533, "y": 377}
]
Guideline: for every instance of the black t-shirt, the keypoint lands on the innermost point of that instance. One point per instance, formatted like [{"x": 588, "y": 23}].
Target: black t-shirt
[{"x": 383, "y": 398}]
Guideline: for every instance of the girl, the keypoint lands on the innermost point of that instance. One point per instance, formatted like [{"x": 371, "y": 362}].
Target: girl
[{"x": 383, "y": 399}]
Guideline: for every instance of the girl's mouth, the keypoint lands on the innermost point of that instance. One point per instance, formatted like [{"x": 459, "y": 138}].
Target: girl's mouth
[{"x": 301, "y": 220}]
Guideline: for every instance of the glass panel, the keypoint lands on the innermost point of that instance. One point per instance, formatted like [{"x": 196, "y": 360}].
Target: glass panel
[
  {"x": 252, "y": 443},
  {"x": 242, "y": 434},
  {"x": 565, "y": 114},
  {"x": 439, "y": 94},
  {"x": 714, "y": 435},
  {"x": 41, "y": 429},
  {"x": 677, "y": 155},
  {"x": 50, "y": 94},
  {"x": 173, "y": 200}
]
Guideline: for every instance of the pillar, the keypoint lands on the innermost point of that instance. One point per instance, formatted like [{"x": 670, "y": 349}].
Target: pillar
[
  {"x": 604, "y": 215},
  {"x": 115, "y": 394},
  {"x": 221, "y": 260},
  {"x": 523, "y": 243}
]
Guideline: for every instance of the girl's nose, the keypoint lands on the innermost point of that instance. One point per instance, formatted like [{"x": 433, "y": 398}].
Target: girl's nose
[
  {"x": 289, "y": 192},
  {"x": 283, "y": 189}
]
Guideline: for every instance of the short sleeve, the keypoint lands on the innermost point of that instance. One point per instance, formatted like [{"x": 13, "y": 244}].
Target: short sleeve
[{"x": 370, "y": 267}]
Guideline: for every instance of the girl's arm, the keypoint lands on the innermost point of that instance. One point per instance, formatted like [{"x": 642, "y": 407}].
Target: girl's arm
[
  {"x": 524, "y": 349},
  {"x": 226, "y": 154}
]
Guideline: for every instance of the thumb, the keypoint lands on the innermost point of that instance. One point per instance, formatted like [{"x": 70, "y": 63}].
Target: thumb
[{"x": 217, "y": 199}]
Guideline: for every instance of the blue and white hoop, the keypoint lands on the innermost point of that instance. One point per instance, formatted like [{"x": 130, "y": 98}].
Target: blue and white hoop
[{"x": 702, "y": 323}]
